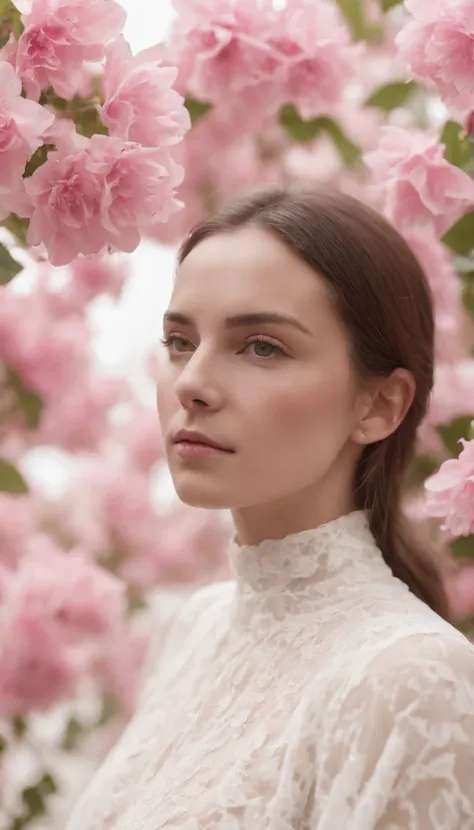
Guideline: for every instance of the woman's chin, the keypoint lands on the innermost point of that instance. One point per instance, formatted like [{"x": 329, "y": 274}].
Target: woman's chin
[{"x": 203, "y": 495}]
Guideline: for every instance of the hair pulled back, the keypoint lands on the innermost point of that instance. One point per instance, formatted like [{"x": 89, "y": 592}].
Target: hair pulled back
[{"x": 383, "y": 299}]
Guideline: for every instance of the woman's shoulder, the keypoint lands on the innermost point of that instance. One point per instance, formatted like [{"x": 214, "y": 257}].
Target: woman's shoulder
[{"x": 175, "y": 612}]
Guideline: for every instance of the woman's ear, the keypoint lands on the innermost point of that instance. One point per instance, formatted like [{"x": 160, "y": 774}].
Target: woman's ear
[{"x": 390, "y": 400}]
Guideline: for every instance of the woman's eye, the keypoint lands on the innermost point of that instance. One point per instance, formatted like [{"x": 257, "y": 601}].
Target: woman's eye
[
  {"x": 177, "y": 345},
  {"x": 264, "y": 348}
]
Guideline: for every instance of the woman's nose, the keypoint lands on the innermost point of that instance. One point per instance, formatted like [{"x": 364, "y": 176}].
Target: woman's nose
[{"x": 197, "y": 385}]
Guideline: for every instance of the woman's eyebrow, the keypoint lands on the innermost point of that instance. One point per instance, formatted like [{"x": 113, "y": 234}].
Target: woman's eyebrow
[{"x": 237, "y": 320}]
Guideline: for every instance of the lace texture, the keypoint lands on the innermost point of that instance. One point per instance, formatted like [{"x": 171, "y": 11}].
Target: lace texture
[{"x": 311, "y": 692}]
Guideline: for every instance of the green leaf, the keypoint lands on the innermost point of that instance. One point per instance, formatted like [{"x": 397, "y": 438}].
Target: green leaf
[
  {"x": 354, "y": 13},
  {"x": 72, "y": 734},
  {"x": 33, "y": 799},
  {"x": 3, "y": 745},
  {"x": 197, "y": 109},
  {"x": 303, "y": 131},
  {"x": 422, "y": 468},
  {"x": 9, "y": 267},
  {"x": 389, "y": 4},
  {"x": 453, "y": 432},
  {"x": 460, "y": 238},
  {"x": 11, "y": 481},
  {"x": 47, "y": 784},
  {"x": 7, "y": 8},
  {"x": 19, "y": 726},
  {"x": 37, "y": 159},
  {"x": 10, "y": 21},
  {"x": 463, "y": 548},
  {"x": 28, "y": 401},
  {"x": 459, "y": 150},
  {"x": 390, "y": 96},
  {"x": 18, "y": 228},
  {"x": 109, "y": 709}
]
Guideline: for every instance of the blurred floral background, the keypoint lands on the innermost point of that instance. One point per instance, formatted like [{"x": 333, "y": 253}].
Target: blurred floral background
[{"x": 122, "y": 124}]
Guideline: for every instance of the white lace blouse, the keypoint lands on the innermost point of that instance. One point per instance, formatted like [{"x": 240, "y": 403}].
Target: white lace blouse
[{"x": 312, "y": 692}]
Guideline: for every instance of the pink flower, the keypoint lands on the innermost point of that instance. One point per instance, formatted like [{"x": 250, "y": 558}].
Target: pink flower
[
  {"x": 459, "y": 587},
  {"x": 46, "y": 353},
  {"x": 437, "y": 263},
  {"x": 17, "y": 525},
  {"x": 77, "y": 599},
  {"x": 140, "y": 103},
  {"x": 101, "y": 196},
  {"x": 453, "y": 392},
  {"x": 37, "y": 671},
  {"x": 22, "y": 127},
  {"x": 140, "y": 437},
  {"x": 318, "y": 56},
  {"x": 78, "y": 419},
  {"x": 450, "y": 493},
  {"x": 301, "y": 53},
  {"x": 438, "y": 47},
  {"x": 59, "y": 37},
  {"x": 221, "y": 48},
  {"x": 418, "y": 184}
]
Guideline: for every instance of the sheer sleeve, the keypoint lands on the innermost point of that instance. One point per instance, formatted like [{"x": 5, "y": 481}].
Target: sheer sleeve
[{"x": 398, "y": 752}]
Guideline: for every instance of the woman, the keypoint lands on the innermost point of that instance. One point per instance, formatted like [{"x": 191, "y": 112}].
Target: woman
[{"x": 320, "y": 689}]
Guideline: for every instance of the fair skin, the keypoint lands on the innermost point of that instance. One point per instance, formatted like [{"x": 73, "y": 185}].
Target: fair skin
[{"x": 280, "y": 394}]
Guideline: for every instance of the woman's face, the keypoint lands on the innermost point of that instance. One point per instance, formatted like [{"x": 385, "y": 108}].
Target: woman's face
[{"x": 258, "y": 362}]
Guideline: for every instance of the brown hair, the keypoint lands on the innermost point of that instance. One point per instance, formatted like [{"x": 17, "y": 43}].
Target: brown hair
[{"x": 384, "y": 300}]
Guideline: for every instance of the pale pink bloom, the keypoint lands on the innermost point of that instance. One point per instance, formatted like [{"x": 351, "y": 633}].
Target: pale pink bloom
[
  {"x": 58, "y": 612},
  {"x": 453, "y": 391},
  {"x": 219, "y": 164},
  {"x": 459, "y": 587},
  {"x": 100, "y": 196},
  {"x": 64, "y": 293},
  {"x": 17, "y": 525},
  {"x": 437, "y": 263},
  {"x": 78, "y": 419},
  {"x": 92, "y": 276},
  {"x": 141, "y": 439},
  {"x": 140, "y": 102},
  {"x": 450, "y": 493},
  {"x": 221, "y": 47},
  {"x": 78, "y": 599},
  {"x": 60, "y": 37},
  {"x": 437, "y": 45},
  {"x": 318, "y": 57},
  {"x": 23, "y": 125},
  {"x": 416, "y": 181},
  {"x": 47, "y": 352},
  {"x": 37, "y": 670}
]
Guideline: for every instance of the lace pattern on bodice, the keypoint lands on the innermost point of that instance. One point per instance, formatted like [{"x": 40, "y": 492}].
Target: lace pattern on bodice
[{"x": 312, "y": 692}]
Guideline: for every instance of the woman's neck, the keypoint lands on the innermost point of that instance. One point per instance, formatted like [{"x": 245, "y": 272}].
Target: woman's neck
[{"x": 302, "y": 511}]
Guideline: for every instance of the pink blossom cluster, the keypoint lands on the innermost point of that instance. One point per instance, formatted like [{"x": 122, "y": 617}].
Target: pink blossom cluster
[
  {"x": 108, "y": 508},
  {"x": 437, "y": 45},
  {"x": 53, "y": 354},
  {"x": 450, "y": 493},
  {"x": 97, "y": 193},
  {"x": 247, "y": 51},
  {"x": 220, "y": 163},
  {"x": 59, "y": 613},
  {"x": 438, "y": 265},
  {"x": 417, "y": 185}
]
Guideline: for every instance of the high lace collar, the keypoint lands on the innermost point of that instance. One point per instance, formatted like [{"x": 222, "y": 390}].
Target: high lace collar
[{"x": 310, "y": 556}]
